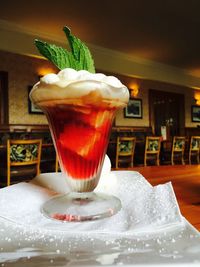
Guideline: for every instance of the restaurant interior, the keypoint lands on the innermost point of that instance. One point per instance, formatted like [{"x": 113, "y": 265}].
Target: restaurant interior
[{"x": 151, "y": 47}]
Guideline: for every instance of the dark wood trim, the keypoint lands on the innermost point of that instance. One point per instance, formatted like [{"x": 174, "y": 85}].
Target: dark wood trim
[
  {"x": 4, "y": 112},
  {"x": 29, "y": 128},
  {"x": 192, "y": 131},
  {"x": 153, "y": 94}
]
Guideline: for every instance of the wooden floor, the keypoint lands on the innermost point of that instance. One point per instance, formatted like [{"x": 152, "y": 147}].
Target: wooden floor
[{"x": 186, "y": 183}]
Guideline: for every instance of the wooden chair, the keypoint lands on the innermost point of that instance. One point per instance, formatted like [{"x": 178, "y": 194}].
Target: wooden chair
[
  {"x": 152, "y": 150},
  {"x": 125, "y": 151},
  {"x": 23, "y": 158},
  {"x": 194, "y": 149},
  {"x": 178, "y": 149},
  {"x": 57, "y": 165}
]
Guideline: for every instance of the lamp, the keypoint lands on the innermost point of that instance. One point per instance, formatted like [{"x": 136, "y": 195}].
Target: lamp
[
  {"x": 134, "y": 89},
  {"x": 197, "y": 98},
  {"x": 41, "y": 71}
]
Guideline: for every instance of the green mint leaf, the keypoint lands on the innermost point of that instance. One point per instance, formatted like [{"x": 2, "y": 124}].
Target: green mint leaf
[
  {"x": 57, "y": 55},
  {"x": 79, "y": 58},
  {"x": 80, "y": 51}
]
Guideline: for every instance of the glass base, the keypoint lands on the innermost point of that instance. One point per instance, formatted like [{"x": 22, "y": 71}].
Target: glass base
[{"x": 78, "y": 207}]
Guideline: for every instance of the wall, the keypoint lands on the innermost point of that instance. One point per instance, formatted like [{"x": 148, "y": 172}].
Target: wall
[
  {"x": 24, "y": 70},
  {"x": 144, "y": 86}
]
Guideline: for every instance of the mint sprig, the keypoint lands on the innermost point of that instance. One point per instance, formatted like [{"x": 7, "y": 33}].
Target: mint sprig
[{"x": 79, "y": 58}]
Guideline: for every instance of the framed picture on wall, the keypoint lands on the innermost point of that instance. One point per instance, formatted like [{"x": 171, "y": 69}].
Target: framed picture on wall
[
  {"x": 195, "y": 114},
  {"x": 134, "y": 109},
  {"x": 32, "y": 109}
]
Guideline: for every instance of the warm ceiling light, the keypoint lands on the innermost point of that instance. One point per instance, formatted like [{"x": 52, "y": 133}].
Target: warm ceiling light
[
  {"x": 41, "y": 71},
  {"x": 134, "y": 89},
  {"x": 197, "y": 98},
  {"x": 198, "y": 102}
]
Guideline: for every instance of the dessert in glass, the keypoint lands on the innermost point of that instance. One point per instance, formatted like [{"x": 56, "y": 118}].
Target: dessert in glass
[{"x": 80, "y": 107}]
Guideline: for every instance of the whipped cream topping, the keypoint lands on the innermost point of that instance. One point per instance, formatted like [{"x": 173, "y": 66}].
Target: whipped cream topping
[{"x": 69, "y": 83}]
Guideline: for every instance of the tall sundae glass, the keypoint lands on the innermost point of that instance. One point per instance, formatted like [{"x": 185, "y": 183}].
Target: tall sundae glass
[{"x": 80, "y": 107}]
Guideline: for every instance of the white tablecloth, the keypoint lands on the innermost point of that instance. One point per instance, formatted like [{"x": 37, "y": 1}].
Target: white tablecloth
[{"x": 148, "y": 230}]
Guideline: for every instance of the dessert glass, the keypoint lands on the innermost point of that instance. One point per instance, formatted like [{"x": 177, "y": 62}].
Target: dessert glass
[{"x": 80, "y": 118}]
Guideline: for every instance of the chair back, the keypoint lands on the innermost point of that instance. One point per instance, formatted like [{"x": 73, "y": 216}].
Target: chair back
[
  {"x": 178, "y": 148},
  {"x": 57, "y": 164},
  {"x": 194, "y": 148},
  {"x": 152, "y": 149},
  {"x": 125, "y": 150},
  {"x": 23, "y": 153}
]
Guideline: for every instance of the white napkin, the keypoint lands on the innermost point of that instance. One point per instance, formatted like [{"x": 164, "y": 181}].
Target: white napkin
[{"x": 144, "y": 208}]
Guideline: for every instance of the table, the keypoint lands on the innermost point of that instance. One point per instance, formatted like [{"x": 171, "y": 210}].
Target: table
[
  {"x": 21, "y": 246},
  {"x": 186, "y": 183}
]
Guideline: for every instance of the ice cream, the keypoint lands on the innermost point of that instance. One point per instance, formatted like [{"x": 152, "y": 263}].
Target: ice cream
[
  {"x": 80, "y": 107},
  {"x": 70, "y": 84}
]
